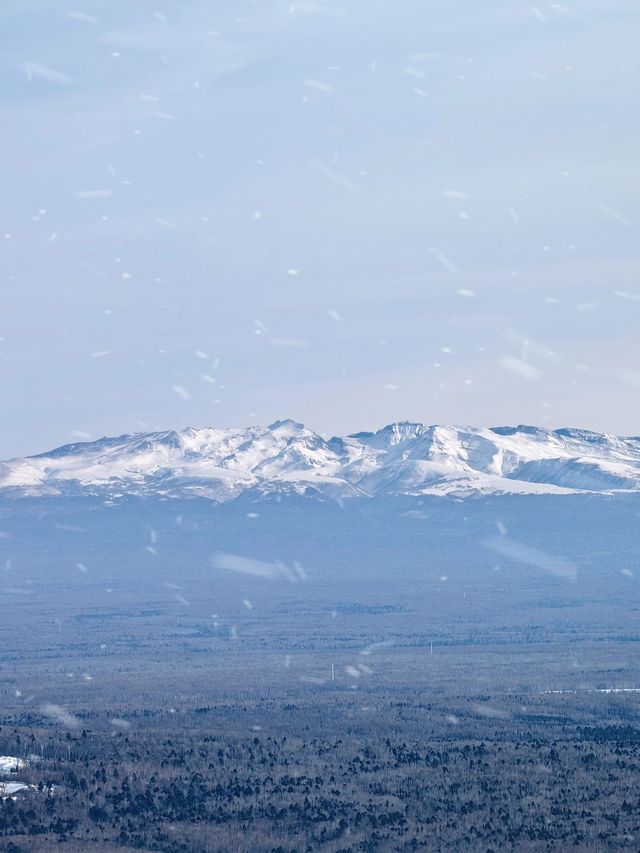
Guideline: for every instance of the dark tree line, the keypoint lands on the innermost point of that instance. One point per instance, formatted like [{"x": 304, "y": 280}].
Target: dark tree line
[{"x": 181, "y": 789}]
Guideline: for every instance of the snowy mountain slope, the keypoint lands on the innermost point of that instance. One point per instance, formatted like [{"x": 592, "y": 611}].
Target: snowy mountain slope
[{"x": 402, "y": 458}]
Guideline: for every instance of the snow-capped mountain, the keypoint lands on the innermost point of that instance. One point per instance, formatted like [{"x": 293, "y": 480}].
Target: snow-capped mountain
[{"x": 402, "y": 458}]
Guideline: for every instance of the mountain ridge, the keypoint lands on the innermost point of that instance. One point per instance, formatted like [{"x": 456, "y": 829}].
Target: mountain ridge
[{"x": 400, "y": 458}]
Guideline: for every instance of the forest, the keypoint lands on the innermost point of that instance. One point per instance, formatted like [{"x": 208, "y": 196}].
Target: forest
[{"x": 328, "y": 774}]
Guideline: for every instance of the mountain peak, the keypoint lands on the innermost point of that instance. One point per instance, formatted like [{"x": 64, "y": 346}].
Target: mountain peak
[
  {"x": 287, "y": 426},
  {"x": 401, "y": 458}
]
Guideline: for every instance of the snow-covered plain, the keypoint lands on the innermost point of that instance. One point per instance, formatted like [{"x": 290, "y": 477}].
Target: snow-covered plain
[
  {"x": 10, "y": 764},
  {"x": 402, "y": 458},
  {"x": 7, "y": 789}
]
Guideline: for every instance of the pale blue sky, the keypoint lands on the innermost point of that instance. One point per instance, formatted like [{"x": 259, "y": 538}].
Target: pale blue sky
[{"x": 346, "y": 212}]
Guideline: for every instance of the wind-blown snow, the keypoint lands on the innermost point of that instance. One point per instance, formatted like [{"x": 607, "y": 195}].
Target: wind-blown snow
[{"x": 402, "y": 458}]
